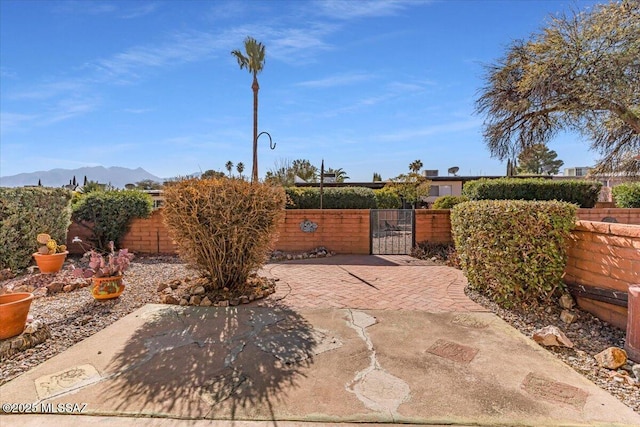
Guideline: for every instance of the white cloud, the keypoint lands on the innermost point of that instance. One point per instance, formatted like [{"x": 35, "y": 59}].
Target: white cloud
[
  {"x": 411, "y": 134},
  {"x": 67, "y": 109},
  {"x": 336, "y": 80},
  {"x": 12, "y": 121},
  {"x": 351, "y": 9},
  {"x": 140, "y": 11}
]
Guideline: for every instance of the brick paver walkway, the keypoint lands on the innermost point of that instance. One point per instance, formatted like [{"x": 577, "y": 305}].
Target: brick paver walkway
[{"x": 369, "y": 282}]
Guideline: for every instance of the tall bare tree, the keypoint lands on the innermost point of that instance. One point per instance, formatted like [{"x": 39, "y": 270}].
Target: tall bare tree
[
  {"x": 253, "y": 61},
  {"x": 582, "y": 73}
]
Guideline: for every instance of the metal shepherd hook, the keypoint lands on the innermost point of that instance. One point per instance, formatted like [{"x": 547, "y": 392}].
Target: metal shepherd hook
[{"x": 272, "y": 144}]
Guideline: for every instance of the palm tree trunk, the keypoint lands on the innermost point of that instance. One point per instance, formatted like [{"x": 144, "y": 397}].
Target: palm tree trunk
[{"x": 254, "y": 171}]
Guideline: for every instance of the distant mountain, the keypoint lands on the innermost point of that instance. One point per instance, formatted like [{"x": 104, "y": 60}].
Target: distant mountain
[{"x": 116, "y": 176}]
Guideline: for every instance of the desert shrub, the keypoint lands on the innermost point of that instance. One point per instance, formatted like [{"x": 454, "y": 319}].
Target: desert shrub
[
  {"x": 448, "y": 202},
  {"x": 444, "y": 252},
  {"x": 26, "y": 212},
  {"x": 627, "y": 195},
  {"x": 387, "y": 198},
  {"x": 514, "y": 251},
  {"x": 332, "y": 198},
  {"x": 108, "y": 214},
  {"x": 223, "y": 227},
  {"x": 582, "y": 193}
]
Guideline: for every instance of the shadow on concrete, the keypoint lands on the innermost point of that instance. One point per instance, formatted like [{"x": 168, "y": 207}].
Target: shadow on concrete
[{"x": 221, "y": 363}]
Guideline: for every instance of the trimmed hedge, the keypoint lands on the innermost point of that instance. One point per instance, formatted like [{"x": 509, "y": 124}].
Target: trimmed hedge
[
  {"x": 582, "y": 193},
  {"x": 332, "y": 198},
  {"x": 448, "y": 202},
  {"x": 513, "y": 250},
  {"x": 108, "y": 214},
  {"x": 387, "y": 198},
  {"x": 627, "y": 195},
  {"x": 25, "y": 212}
]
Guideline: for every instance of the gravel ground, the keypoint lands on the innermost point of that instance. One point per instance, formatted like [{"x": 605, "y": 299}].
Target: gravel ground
[
  {"x": 589, "y": 335},
  {"x": 75, "y": 316}
]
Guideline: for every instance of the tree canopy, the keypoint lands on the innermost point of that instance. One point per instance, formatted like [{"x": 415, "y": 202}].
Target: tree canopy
[
  {"x": 580, "y": 73},
  {"x": 539, "y": 160}
]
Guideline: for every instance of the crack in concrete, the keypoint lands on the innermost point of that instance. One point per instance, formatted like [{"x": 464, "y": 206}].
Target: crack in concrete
[{"x": 377, "y": 389}]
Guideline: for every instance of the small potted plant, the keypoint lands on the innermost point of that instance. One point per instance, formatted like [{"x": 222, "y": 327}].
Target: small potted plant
[
  {"x": 106, "y": 271},
  {"x": 50, "y": 255}
]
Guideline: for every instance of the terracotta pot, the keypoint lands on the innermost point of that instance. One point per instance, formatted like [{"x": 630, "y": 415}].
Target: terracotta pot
[
  {"x": 50, "y": 263},
  {"x": 14, "y": 309},
  {"x": 107, "y": 287}
]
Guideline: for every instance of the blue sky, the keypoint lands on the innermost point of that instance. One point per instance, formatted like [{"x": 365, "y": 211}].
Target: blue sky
[{"x": 369, "y": 86}]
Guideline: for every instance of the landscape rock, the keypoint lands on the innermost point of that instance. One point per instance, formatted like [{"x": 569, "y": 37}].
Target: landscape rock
[
  {"x": 168, "y": 298},
  {"x": 568, "y": 316},
  {"x": 40, "y": 292},
  {"x": 198, "y": 290},
  {"x": 206, "y": 302},
  {"x": 55, "y": 287},
  {"x": 552, "y": 336},
  {"x": 68, "y": 288},
  {"x": 195, "y": 300},
  {"x": 234, "y": 301},
  {"x": 244, "y": 299},
  {"x": 567, "y": 302},
  {"x": 636, "y": 371},
  {"x": 163, "y": 286},
  {"x": 611, "y": 358},
  {"x": 6, "y": 274},
  {"x": 184, "y": 302}
]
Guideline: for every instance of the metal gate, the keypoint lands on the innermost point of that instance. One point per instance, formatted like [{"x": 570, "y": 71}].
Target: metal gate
[{"x": 392, "y": 231}]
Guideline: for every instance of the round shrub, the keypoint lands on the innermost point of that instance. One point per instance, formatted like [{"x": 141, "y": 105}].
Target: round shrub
[
  {"x": 448, "y": 202},
  {"x": 627, "y": 195},
  {"x": 223, "y": 227},
  {"x": 108, "y": 214},
  {"x": 26, "y": 212},
  {"x": 513, "y": 250}
]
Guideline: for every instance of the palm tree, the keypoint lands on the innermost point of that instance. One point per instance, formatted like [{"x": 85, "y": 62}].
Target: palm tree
[
  {"x": 415, "y": 166},
  {"x": 340, "y": 174},
  {"x": 229, "y": 167},
  {"x": 240, "y": 168},
  {"x": 254, "y": 63}
]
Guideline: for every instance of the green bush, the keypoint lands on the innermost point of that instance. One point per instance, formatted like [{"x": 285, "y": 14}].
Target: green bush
[
  {"x": 387, "y": 198},
  {"x": 108, "y": 214},
  {"x": 25, "y": 212},
  {"x": 332, "y": 198},
  {"x": 582, "y": 193},
  {"x": 513, "y": 250},
  {"x": 223, "y": 227},
  {"x": 627, "y": 195},
  {"x": 448, "y": 202}
]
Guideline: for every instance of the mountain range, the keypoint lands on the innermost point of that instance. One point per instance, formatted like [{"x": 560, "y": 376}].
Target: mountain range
[{"x": 116, "y": 176}]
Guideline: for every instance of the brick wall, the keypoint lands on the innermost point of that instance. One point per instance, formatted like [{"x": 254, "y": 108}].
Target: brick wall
[
  {"x": 623, "y": 216},
  {"x": 607, "y": 256},
  {"x": 149, "y": 235},
  {"x": 146, "y": 235},
  {"x": 342, "y": 231},
  {"x": 433, "y": 225}
]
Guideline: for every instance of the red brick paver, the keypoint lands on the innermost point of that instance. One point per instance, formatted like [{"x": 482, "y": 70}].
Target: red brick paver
[{"x": 369, "y": 282}]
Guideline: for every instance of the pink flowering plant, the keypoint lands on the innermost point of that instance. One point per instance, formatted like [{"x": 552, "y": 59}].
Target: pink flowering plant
[{"x": 105, "y": 265}]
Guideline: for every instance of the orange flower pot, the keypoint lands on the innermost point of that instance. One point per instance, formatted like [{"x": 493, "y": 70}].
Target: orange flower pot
[
  {"x": 107, "y": 287},
  {"x": 50, "y": 263},
  {"x": 14, "y": 309}
]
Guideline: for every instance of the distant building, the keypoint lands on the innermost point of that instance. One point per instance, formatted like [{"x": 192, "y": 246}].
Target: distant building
[{"x": 578, "y": 171}]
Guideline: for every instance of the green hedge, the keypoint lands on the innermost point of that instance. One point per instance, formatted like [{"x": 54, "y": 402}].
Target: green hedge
[
  {"x": 332, "y": 198},
  {"x": 513, "y": 250},
  {"x": 109, "y": 213},
  {"x": 582, "y": 193},
  {"x": 387, "y": 198},
  {"x": 448, "y": 202},
  {"x": 627, "y": 195},
  {"x": 25, "y": 212}
]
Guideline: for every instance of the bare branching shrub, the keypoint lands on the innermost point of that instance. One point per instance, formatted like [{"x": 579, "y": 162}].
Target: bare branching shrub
[{"x": 223, "y": 227}]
